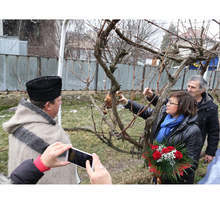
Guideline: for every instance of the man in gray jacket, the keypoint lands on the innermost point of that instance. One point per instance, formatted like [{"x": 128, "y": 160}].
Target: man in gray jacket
[{"x": 32, "y": 128}]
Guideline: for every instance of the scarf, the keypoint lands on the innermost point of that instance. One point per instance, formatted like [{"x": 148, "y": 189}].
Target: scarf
[{"x": 166, "y": 126}]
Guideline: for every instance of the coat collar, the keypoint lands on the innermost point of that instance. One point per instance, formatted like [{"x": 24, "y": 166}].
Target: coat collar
[{"x": 37, "y": 110}]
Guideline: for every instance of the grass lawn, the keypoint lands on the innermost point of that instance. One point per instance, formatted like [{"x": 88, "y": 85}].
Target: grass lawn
[{"x": 123, "y": 167}]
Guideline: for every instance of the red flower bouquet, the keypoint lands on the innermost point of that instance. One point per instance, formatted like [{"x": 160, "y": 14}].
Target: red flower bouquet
[{"x": 167, "y": 162}]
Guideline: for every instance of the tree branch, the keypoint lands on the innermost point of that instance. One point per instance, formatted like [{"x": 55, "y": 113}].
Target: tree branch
[
  {"x": 101, "y": 42},
  {"x": 177, "y": 59},
  {"x": 108, "y": 142},
  {"x": 197, "y": 46},
  {"x": 118, "y": 57}
]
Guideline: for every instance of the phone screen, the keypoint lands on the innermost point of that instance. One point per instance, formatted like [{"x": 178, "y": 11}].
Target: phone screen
[{"x": 79, "y": 157}]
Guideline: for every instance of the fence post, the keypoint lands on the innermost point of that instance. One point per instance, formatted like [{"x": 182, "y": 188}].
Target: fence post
[
  {"x": 5, "y": 63},
  {"x": 184, "y": 73},
  {"x": 143, "y": 78},
  {"x": 96, "y": 75},
  {"x": 38, "y": 66},
  {"x": 28, "y": 68},
  {"x": 213, "y": 84}
]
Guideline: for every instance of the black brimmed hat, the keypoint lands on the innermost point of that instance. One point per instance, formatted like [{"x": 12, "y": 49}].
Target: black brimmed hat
[{"x": 44, "y": 88}]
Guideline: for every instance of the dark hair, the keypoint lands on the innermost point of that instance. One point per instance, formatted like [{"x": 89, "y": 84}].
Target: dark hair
[
  {"x": 187, "y": 105},
  {"x": 41, "y": 104}
]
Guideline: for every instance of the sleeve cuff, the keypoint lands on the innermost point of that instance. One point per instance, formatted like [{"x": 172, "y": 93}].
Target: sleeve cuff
[
  {"x": 41, "y": 167},
  {"x": 149, "y": 98},
  {"x": 127, "y": 105}
]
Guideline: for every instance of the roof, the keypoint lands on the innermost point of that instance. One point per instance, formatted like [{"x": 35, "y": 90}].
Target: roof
[{"x": 192, "y": 33}]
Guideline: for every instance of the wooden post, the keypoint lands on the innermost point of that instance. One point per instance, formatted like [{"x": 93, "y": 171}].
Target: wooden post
[
  {"x": 38, "y": 66},
  {"x": 5, "y": 65},
  {"x": 184, "y": 73},
  {"x": 96, "y": 75},
  {"x": 143, "y": 78}
]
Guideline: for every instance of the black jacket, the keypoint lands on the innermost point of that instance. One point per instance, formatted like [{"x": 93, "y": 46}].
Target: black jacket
[
  {"x": 26, "y": 173},
  {"x": 208, "y": 122},
  {"x": 187, "y": 133}
]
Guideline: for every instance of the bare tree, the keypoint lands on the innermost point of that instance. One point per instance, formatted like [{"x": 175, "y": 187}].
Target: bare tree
[{"x": 198, "y": 48}]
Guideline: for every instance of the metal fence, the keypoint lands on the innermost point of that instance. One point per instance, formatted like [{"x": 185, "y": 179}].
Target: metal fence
[
  {"x": 16, "y": 70},
  {"x": 12, "y": 45}
]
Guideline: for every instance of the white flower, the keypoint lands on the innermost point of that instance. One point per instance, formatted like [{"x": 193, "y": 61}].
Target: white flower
[
  {"x": 170, "y": 157},
  {"x": 160, "y": 148}
]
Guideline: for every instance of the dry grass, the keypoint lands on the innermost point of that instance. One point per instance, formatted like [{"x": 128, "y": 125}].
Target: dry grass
[{"x": 124, "y": 168}]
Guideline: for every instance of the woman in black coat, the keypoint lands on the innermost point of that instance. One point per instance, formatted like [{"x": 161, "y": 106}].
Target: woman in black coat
[{"x": 175, "y": 124}]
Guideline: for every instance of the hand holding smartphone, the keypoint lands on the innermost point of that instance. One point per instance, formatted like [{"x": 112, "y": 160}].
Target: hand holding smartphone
[{"x": 78, "y": 157}]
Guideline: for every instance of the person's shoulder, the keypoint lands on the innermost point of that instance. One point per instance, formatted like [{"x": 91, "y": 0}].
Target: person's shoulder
[
  {"x": 192, "y": 124},
  {"x": 212, "y": 104},
  {"x": 194, "y": 132},
  {"x": 208, "y": 102},
  {"x": 196, "y": 127},
  {"x": 210, "y": 99}
]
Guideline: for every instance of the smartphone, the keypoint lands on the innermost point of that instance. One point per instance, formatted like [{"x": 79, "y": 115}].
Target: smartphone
[{"x": 78, "y": 157}]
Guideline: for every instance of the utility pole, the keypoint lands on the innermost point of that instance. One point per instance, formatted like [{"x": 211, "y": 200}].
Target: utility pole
[{"x": 61, "y": 59}]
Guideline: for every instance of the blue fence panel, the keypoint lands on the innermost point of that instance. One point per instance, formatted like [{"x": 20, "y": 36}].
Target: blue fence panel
[
  {"x": 32, "y": 68},
  {"x": 16, "y": 70},
  {"x": 210, "y": 78},
  {"x": 122, "y": 75},
  {"x": 1, "y": 73},
  {"x": 179, "y": 82},
  {"x": 150, "y": 77},
  {"x": 188, "y": 75},
  {"x": 49, "y": 66},
  {"x": 12, "y": 66},
  {"x": 128, "y": 79},
  {"x": 138, "y": 77},
  {"x": 103, "y": 81}
]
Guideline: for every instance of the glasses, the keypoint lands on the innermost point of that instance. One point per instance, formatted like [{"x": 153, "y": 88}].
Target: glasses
[{"x": 171, "y": 103}]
